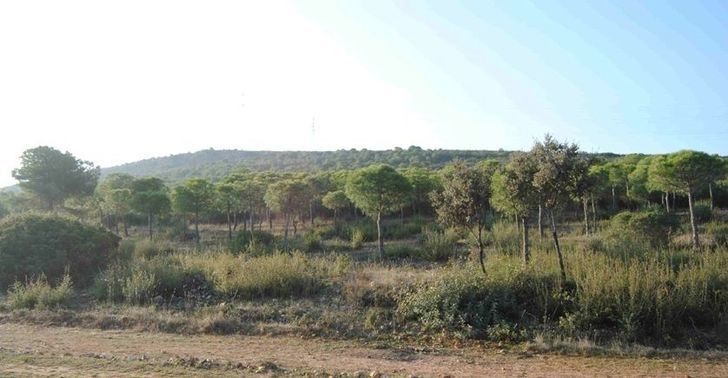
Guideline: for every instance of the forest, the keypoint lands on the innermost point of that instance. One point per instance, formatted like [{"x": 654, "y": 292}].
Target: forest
[{"x": 543, "y": 249}]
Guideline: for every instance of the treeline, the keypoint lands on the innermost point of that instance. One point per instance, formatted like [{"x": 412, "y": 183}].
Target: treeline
[
  {"x": 216, "y": 164},
  {"x": 537, "y": 186}
]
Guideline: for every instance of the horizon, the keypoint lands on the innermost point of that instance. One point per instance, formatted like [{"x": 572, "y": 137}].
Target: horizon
[{"x": 113, "y": 84}]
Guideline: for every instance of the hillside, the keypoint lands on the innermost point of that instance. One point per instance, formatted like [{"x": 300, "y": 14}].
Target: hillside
[{"x": 213, "y": 164}]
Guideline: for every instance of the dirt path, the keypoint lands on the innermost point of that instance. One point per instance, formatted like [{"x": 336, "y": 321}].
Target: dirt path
[{"x": 36, "y": 350}]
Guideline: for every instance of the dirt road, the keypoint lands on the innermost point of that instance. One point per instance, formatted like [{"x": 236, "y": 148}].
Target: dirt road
[{"x": 37, "y": 350}]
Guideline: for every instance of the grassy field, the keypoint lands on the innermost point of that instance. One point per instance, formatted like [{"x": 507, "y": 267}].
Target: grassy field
[{"x": 424, "y": 309}]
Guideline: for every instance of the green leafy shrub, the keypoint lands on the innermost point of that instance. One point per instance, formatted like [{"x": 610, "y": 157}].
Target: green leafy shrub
[
  {"x": 312, "y": 242},
  {"x": 147, "y": 249},
  {"x": 505, "y": 237},
  {"x": 33, "y": 244},
  {"x": 461, "y": 300},
  {"x": 139, "y": 287},
  {"x": 357, "y": 239},
  {"x": 702, "y": 211},
  {"x": 278, "y": 275},
  {"x": 719, "y": 233},
  {"x": 143, "y": 280},
  {"x": 401, "y": 251},
  {"x": 254, "y": 242},
  {"x": 438, "y": 246},
  {"x": 40, "y": 294},
  {"x": 653, "y": 224}
]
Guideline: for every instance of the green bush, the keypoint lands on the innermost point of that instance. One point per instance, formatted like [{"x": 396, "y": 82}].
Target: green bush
[
  {"x": 255, "y": 242},
  {"x": 401, "y": 251},
  {"x": 719, "y": 233},
  {"x": 312, "y": 242},
  {"x": 163, "y": 276},
  {"x": 139, "y": 287},
  {"x": 702, "y": 211},
  {"x": 147, "y": 249},
  {"x": 41, "y": 295},
  {"x": 462, "y": 301},
  {"x": 33, "y": 244},
  {"x": 278, "y": 275},
  {"x": 653, "y": 224},
  {"x": 438, "y": 246},
  {"x": 357, "y": 239}
]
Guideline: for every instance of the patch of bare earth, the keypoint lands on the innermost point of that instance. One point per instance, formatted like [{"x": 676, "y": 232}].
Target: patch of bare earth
[{"x": 43, "y": 350}]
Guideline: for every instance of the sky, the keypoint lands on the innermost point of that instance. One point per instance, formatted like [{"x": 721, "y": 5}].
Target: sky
[{"x": 115, "y": 82}]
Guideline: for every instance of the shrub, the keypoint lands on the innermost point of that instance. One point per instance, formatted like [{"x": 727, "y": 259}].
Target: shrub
[
  {"x": 357, "y": 239},
  {"x": 438, "y": 246},
  {"x": 39, "y": 294},
  {"x": 653, "y": 224},
  {"x": 147, "y": 249},
  {"x": 461, "y": 300},
  {"x": 702, "y": 212},
  {"x": 254, "y": 242},
  {"x": 143, "y": 280},
  {"x": 401, "y": 251},
  {"x": 505, "y": 237},
  {"x": 312, "y": 242},
  {"x": 719, "y": 233},
  {"x": 277, "y": 275},
  {"x": 33, "y": 244},
  {"x": 139, "y": 287}
]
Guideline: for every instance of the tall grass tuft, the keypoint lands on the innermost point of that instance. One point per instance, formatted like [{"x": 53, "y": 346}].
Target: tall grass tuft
[{"x": 40, "y": 294}]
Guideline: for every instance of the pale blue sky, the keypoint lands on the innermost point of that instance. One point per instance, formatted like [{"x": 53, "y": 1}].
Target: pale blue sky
[
  {"x": 614, "y": 76},
  {"x": 114, "y": 82}
]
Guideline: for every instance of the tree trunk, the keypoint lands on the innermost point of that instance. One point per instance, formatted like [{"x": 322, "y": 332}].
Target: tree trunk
[
  {"x": 310, "y": 212},
  {"x": 555, "y": 235},
  {"x": 673, "y": 202},
  {"x": 149, "y": 224},
  {"x": 235, "y": 220},
  {"x": 285, "y": 231},
  {"x": 230, "y": 225},
  {"x": 594, "y": 213},
  {"x": 126, "y": 228},
  {"x": 710, "y": 191},
  {"x": 270, "y": 221},
  {"x": 540, "y": 222},
  {"x": 526, "y": 251},
  {"x": 197, "y": 226},
  {"x": 250, "y": 219},
  {"x": 481, "y": 252},
  {"x": 380, "y": 242},
  {"x": 696, "y": 241},
  {"x": 585, "y": 202},
  {"x": 666, "y": 201},
  {"x": 401, "y": 215},
  {"x": 614, "y": 200}
]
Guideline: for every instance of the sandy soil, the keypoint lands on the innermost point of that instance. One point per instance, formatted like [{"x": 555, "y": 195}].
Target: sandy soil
[{"x": 76, "y": 351}]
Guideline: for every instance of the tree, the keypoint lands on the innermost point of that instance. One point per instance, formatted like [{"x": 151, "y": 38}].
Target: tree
[
  {"x": 463, "y": 200},
  {"x": 318, "y": 185},
  {"x": 378, "y": 190},
  {"x": 513, "y": 193},
  {"x": 194, "y": 197},
  {"x": 149, "y": 197},
  {"x": 640, "y": 189},
  {"x": 228, "y": 196},
  {"x": 54, "y": 176},
  {"x": 336, "y": 201},
  {"x": 555, "y": 178},
  {"x": 287, "y": 197},
  {"x": 423, "y": 182},
  {"x": 686, "y": 171},
  {"x": 115, "y": 190},
  {"x": 617, "y": 177}
]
